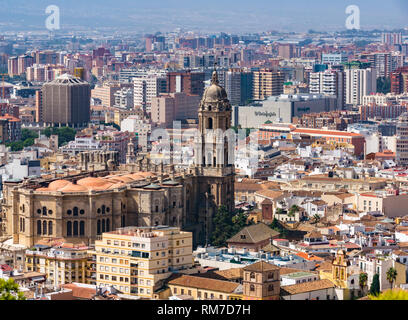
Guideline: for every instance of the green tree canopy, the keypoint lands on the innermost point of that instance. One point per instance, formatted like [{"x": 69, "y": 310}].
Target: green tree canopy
[
  {"x": 375, "y": 285},
  {"x": 394, "y": 294},
  {"x": 65, "y": 134},
  {"x": 226, "y": 224},
  {"x": 9, "y": 290}
]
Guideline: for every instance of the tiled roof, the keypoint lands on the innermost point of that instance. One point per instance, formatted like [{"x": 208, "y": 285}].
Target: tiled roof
[
  {"x": 254, "y": 234},
  {"x": 205, "y": 283},
  {"x": 306, "y": 287},
  {"x": 80, "y": 292},
  {"x": 261, "y": 266}
]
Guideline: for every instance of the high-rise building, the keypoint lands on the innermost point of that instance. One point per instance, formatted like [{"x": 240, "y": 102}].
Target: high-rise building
[
  {"x": 334, "y": 58},
  {"x": 359, "y": 82},
  {"x": 66, "y": 101},
  {"x": 134, "y": 259},
  {"x": 266, "y": 83},
  {"x": 106, "y": 93},
  {"x": 174, "y": 106},
  {"x": 401, "y": 155},
  {"x": 13, "y": 66},
  {"x": 237, "y": 84},
  {"x": 146, "y": 87},
  {"x": 391, "y": 38},
  {"x": 24, "y": 62},
  {"x": 329, "y": 82},
  {"x": 287, "y": 50},
  {"x": 399, "y": 81},
  {"x": 186, "y": 81}
]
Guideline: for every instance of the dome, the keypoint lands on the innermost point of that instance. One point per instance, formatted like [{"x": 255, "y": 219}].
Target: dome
[
  {"x": 73, "y": 188},
  {"x": 94, "y": 183},
  {"x": 57, "y": 184},
  {"x": 214, "y": 92}
]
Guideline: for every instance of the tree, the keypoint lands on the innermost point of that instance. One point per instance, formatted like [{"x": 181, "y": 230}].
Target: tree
[
  {"x": 65, "y": 134},
  {"x": 383, "y": 85},
  {"x": 293, "y": 209},
  {"x": 362, "y": 281},
  {"x": 9, "y": 290},
  {"x": 394, "y": 294},
  {"x": 391, "y": 275},
  {"x": 316, "y": 218},
  {"x": 375, "y": 285},
  {"x": 226, "y": 224}
]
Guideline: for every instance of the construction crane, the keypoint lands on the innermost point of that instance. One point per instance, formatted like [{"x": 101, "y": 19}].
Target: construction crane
[{"x": 3, "y": 86}]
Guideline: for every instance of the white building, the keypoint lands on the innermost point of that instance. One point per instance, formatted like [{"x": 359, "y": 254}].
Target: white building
[{"x": 359, "y": 83}]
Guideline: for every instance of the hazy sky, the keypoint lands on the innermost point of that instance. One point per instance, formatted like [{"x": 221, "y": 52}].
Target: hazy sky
[{"x": 211, "y": 15}]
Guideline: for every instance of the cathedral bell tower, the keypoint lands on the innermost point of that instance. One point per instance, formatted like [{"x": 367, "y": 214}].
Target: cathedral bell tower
[{"x": 214, "y": 156}]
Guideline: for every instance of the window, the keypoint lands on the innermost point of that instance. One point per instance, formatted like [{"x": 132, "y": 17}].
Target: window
[
  {"x": 103, "y": 225},
  {"x": 44, "y": 211},
  {"x": 251, "y": 287},
  {"x": 69, "y": 212},
  {"x": 98, "y": 227},
  {"x": 50, "y": 228},
  {"x": 69, "y": 229},
  {"x": 82, "y": 211},
  {"x": 107, "y": 225},
  {"x": 75, "y": 231},
  {"x": 82, "y": 228},
  {"x": 75, "y": 211},
  {"x": 38, "y": 227}
]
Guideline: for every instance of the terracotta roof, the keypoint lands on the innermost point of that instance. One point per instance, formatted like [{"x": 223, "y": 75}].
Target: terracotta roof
[
  {"x": 253, "y": 234},
  {"x": 205, "y": 283},
  {"x": 270, "y": 193},
  {"x": 306, "y": 287},
  {"x": 261, "y": 266},
  {"x": 80, "y": 292}
]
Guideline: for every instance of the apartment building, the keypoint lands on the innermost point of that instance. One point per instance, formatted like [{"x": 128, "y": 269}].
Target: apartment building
[
  {"x": 134, "y": 260},
  {"x": 266, "y": 83},
  {"x": 359, "y": 83},
  {"x": 61, "y": 265}
]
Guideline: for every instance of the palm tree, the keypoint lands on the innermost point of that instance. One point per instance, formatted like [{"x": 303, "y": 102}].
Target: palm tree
[
  {"x": 391, "y": 275},
  {"x": 316, "y": 217},
  {"x": 362, "y": 281}
]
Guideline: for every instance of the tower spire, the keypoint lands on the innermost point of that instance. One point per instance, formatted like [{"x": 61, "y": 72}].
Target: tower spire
[{"x": 214, "y": 79}]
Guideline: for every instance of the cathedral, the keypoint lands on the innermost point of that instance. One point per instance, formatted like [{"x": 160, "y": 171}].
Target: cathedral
[{"x": 104, "y": 196}]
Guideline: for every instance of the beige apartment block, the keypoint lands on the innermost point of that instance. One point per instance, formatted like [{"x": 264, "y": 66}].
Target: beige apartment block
[{"x": 134, "y": 260}]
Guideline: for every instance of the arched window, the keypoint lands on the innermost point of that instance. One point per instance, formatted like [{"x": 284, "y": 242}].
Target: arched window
[
  {"x": 270, "y": 288},
  {"x": 44, "y": 211},
  {"x": 107, "y": 209},
  {"x": 103, "y": 225},
  {"x": 107, "y": 225},
  {"x": 103, "y": 209},
  {"x": 174, "y": 221},
  {"x": 75, "y": 231},
  {"x": 44, "y": 227},
  {"x": 38, "y": 227},
  {"x": 75, "y": 211},
  {"x": 50, "y": 228},
  {"x": 156, "y": 223},
  {"x": 251, "y": 287},
  {"x": 123, "y": 221},
  {"x": 82, "y": 228},
  {"x": 210, "y": 123},
  {"x": 98, "y": 227},
  {"x": 252, "y": 275},
  {"x": 23, "y": 207},
  {"x": 69, "y": 229}
]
